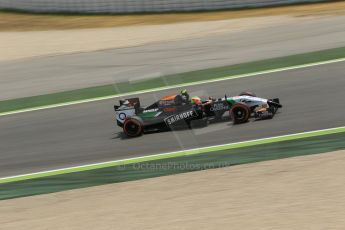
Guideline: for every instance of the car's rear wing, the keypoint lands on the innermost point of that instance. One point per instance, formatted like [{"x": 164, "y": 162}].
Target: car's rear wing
[
  {"x": 127, "y": 108},
  {"x": 130, "y": 102}
]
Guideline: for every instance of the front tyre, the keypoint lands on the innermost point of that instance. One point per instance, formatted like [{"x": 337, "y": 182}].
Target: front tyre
[
  {"x": 133, "y": 127},
  {"x": 240, "y": 113}
]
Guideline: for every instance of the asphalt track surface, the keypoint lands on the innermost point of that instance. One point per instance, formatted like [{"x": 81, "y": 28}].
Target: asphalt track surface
[
  {"x": 42, "y": 75},
  {"x": 313, "y": 98}
]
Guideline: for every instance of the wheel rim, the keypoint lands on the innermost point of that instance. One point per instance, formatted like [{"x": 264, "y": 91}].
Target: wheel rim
[{"x": 239, "y": 113}]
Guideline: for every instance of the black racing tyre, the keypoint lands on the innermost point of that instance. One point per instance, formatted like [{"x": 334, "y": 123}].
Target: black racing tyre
[
  {"x": 133, "y": 127},
  {"x": 240, "y": 113},
  {"x": 247, "y": 94}
]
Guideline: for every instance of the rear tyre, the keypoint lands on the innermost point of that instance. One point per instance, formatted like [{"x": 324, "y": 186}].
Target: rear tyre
[
  {"x": 133, "y": 127},
  {"x": 247, "y": 94},
  {"x": 240, "y": 113}
]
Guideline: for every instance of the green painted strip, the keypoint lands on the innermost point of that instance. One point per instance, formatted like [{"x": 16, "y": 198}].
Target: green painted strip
[
  {"x": 124, "y": 89},
  {"x": 174, "y": 154},
  {"x": 162, "y": 167}
]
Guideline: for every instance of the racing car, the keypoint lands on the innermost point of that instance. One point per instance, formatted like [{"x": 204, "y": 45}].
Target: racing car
[{"x": 180, "y": 110}]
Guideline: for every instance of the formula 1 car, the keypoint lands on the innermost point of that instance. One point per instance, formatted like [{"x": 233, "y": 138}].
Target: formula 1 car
[{"x": 179, "y": 110}]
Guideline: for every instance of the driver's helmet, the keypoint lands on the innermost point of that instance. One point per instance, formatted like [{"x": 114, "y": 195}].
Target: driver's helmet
[
  {"x": 196, "y": 101},
  {"x": 184, "y": 92},
  {"x": 185, "y": 96}
]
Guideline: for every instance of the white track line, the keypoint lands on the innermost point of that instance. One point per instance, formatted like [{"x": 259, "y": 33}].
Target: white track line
[
  {"x": 321, "y": 131},
  {"x": 175, "y": 86}
]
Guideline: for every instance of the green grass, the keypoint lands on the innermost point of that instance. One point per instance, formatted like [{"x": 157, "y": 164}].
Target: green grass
[
  {"x": 171, "y": 80},
  {"x": 169, "y": 166}
]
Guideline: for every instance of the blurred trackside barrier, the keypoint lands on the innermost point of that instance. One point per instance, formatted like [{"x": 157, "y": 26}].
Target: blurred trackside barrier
[{"x": 136, "y": 6}]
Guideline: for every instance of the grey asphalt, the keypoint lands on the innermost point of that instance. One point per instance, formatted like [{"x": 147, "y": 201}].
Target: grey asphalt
[
  {"x": 42, "y": 75},
  {"x": 313, "y": 99}
]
